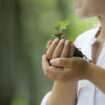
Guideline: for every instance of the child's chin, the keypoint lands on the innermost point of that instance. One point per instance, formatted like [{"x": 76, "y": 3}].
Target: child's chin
[{"x": 81, "y": 15}]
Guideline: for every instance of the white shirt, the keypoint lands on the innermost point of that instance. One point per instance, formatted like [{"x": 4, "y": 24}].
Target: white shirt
[{"x": 87, "y": 92}]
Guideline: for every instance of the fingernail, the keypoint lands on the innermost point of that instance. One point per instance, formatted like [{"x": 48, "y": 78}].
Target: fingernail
[
  {"x": 72, "y": 45},
  {"x": 62, "y": 41},
  {"x": 56, "y": 40},
  {"x": 52, "y": 61},
  {"x": 68, "y": 42},
  {"x": 50, "y": 42}
]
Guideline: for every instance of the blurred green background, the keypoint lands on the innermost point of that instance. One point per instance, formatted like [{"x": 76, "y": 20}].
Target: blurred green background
[{"x": 25, "y": 28}]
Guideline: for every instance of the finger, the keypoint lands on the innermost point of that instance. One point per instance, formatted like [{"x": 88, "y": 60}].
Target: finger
[
  {"x": 66, "y": 49},
  {"x": 45, "y": 63},
  {"x": 51, "y": 71},
  {"x": 58, "y": 49},
  {"x": 72, "y": 48},
  {"x": 55, "y": 70},
  {"x": 48, "y": 44},
  {"x": 62, "y": 62},
  {"x": 52, "y": 48}
]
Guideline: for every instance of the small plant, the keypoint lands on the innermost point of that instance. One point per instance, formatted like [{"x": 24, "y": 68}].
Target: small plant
[
  {"x": 60, "y": 28},
  {"x": 59, "y": 33}
]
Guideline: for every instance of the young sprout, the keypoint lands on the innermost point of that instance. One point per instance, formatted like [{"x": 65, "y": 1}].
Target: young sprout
[{"x": 59, "y": 29}]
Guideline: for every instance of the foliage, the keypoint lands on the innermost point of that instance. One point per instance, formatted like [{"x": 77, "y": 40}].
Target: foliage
[{"x": 59, "y": 28}]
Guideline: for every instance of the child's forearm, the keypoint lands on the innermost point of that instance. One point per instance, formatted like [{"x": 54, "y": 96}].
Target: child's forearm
[
  {"x": 97, "y": 77},
  {"x": 63, "y": 94}
]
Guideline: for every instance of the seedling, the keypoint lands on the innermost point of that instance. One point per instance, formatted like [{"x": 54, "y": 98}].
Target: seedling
[
  {"x": 59, "y": 32},
  {"x": 59, "y": 29}
]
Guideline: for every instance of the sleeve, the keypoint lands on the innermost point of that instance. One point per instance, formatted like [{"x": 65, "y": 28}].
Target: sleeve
[{"x": 45, "y": 98}]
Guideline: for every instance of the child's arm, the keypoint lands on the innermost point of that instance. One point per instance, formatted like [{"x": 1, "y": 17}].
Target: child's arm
[
  {"x": 97, "y": 76},
  {"x": 63, "y": 93}
]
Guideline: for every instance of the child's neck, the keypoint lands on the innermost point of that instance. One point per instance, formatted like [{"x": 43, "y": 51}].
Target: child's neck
[{"x": 101, "y": 36}]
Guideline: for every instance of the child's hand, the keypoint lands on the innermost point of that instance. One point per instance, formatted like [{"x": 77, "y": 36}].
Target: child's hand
[
  {"x": 59, "y": 48},
  {"x": 56, "y": 49},
  {"x": 66, "y": 69}
]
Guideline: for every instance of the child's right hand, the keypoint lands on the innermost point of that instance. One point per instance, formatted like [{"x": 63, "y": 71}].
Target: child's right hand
[{"x": 59, "y": 48}]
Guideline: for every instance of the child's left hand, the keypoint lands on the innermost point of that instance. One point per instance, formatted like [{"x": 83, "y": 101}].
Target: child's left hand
[{"x": 69, "y": 69}]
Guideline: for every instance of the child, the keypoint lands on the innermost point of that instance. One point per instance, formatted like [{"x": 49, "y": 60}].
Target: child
[{"x": 76, "y": 80}]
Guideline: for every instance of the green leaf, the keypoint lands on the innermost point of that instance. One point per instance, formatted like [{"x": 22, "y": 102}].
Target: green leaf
[
  {"x": 54, "y": 33},
  {"x": 62, "y": 25}
]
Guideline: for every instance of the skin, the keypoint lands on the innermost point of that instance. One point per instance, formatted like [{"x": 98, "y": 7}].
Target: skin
[
  {"x": 92, "y": 8},
  {"x": 59, "y": 65},
  {"x": 65, "y": 88}
]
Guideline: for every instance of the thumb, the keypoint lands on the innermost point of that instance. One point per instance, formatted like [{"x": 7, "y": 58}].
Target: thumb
[{"x": 61, "y": 62}]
